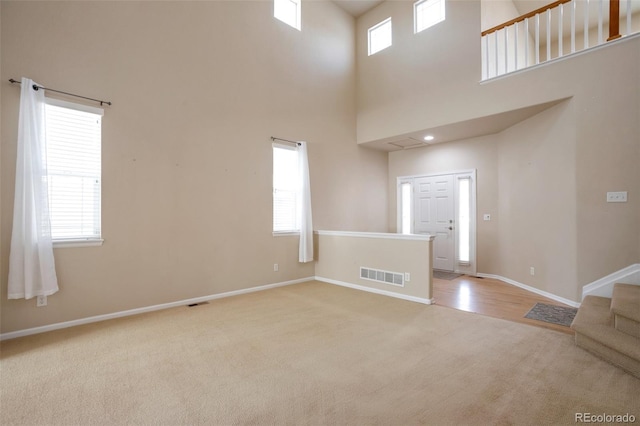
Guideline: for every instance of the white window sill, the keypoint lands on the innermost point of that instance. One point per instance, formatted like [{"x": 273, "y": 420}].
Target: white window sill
[
  {"x": 77, "y": 243},
  {"x": 285, "y": 233}
]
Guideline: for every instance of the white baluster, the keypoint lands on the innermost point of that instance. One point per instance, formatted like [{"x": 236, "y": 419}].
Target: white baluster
[
  {"x": 537, "y": 46},
  {"x": 496, "y": 43},
  {"x": 628, "y": 17},
  {"x": 515, "y": 49},
  {"x": 600, "y": 17},
  {"x": 526, "y": 42},
  {"x": 586, "y": 24},
  {"x": 560, "y": 35},
  {"x": 573, "y": 26},
  {"x": 506, "y": 50},
  {"x": 486, "y": 57},
  {"x": 548, "y": 34}
]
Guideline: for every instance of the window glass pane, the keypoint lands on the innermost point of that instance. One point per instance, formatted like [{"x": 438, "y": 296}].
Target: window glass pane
[
  {"x": 286, "y": 189},
  {"x": 288, "y": 11},
  {"x": 464, "y": 217},
  {"x": 74, "y": 172},
  {"x": 380, "y": 36},
  {"x": 405, "y": 194},
  {"x": 428, "y": 13}
]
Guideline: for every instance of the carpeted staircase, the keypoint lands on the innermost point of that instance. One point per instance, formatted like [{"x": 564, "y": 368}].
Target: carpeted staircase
[{"x": 610, "y": 328}]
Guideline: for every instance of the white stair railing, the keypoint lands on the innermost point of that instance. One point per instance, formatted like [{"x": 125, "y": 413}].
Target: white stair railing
[{"x": 552, "y": 31}]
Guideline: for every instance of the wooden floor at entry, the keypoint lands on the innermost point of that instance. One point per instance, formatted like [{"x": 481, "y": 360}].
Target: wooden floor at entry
[{"x": 492, "y": 298}]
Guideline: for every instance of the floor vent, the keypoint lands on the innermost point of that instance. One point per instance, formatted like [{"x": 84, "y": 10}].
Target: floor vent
[{"x": 393, "y": 278}]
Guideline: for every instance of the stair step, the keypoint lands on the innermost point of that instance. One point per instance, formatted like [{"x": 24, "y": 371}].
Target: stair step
[
  {"x": 595, "y": 332},
  {"x": 625, "y": 305}
]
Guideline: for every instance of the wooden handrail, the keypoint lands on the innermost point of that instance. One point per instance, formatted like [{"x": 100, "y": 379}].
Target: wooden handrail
[{"x": 525, "y": 16}]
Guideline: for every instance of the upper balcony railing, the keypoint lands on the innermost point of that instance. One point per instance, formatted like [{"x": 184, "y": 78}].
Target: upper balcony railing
[{"x": 555, "y": 30}]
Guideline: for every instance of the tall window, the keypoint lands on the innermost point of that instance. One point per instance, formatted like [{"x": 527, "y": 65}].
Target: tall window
[
  {"x": 74, "y": 143},
  {"x": 288, "y": 11},
  {"x": 380, "y": 36},
  {"x": 464, "y": 219},
  {"x": 427, "y": 13},
  {"x": 286, "y": 189},
  {"x": 406, "y": 190}
]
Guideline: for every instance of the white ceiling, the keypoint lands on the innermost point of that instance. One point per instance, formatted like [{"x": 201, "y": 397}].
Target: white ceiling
[{"x": 357, "y": 7}]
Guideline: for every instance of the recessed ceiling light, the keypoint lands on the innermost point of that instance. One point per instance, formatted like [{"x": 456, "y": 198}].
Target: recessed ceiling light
[{"x": 429, "y": 138}]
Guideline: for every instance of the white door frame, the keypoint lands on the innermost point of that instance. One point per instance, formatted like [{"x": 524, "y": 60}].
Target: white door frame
[{"x": 459, "y": 267}]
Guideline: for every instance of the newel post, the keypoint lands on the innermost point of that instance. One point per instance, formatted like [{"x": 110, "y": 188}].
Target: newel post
[{"x": 614, "y": 20}]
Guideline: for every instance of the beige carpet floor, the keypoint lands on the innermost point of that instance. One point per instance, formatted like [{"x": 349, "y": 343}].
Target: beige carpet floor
[{"x": 313, "y": 354}]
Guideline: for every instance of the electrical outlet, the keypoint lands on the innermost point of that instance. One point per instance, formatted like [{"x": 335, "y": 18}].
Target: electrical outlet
[
  {"x": 275, "y": 267},
  {"x": 617, "y": 197},
  {"x": 532, "y": 271},
  {"x": 407, "y": 276},
  {"x": 41, "y": 301}
]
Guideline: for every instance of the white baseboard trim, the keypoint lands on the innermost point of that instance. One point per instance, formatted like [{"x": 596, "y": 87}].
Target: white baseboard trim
[
  {"x": 375, "y": 290},
  {"x": 531, "y": 289},
  {"x": 599, "y": 287},
  {"x": 97, "y": 318}
]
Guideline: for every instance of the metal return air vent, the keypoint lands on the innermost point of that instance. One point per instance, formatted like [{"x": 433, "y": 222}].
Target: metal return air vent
[{"x": 386, "y": 277}]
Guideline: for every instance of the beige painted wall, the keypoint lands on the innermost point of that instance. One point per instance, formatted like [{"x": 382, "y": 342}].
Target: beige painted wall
[
  {"x": 424, "y": 79},
  {"x": 197, "y": 89},
  {"x": 431, "y": 79},
  {"x": 339, "y": 258},
  {"x": 537, "y": 192}
]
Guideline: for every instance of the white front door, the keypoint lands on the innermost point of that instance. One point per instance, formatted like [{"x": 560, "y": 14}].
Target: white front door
[{"x": 434, "y": 214}]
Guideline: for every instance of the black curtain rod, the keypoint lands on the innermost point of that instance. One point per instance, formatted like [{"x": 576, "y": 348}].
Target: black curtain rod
[
  {"x": 36, "y": 87},
  {"x": 273, "y": 138}
]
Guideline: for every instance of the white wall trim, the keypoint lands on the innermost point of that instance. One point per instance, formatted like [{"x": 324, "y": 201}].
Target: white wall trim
[
  {"x": 98, "y": 318},
  {"x": 531, "y": 289},
  {"x": 375, "y": 290},
  {"x": 604, "y": 286},
  {"x": 382, "y": 235}
]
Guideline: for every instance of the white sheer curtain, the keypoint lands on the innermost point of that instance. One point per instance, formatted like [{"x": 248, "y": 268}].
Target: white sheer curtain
[
  {"x": 305, "y": 252},
  {"x": 32, "y": 269}
]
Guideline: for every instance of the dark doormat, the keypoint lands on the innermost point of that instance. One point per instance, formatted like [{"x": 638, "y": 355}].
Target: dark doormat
[
  {"x": 551, "y": 313},
  {"x": 444, "y": 275}
]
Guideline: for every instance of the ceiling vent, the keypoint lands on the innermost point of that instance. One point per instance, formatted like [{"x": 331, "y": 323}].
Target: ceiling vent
[{"x": 408, "y": 143}]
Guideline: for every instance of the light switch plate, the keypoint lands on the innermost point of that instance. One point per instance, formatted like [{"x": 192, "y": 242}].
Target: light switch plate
[
  {"x": 487, "y": 216},
  {"x": 617, "y": 197}
]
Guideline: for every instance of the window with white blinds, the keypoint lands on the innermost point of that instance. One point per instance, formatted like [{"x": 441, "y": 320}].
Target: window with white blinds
[
  {"x": 286, "y": 189},
  {"x": 74, "y": 139}
]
